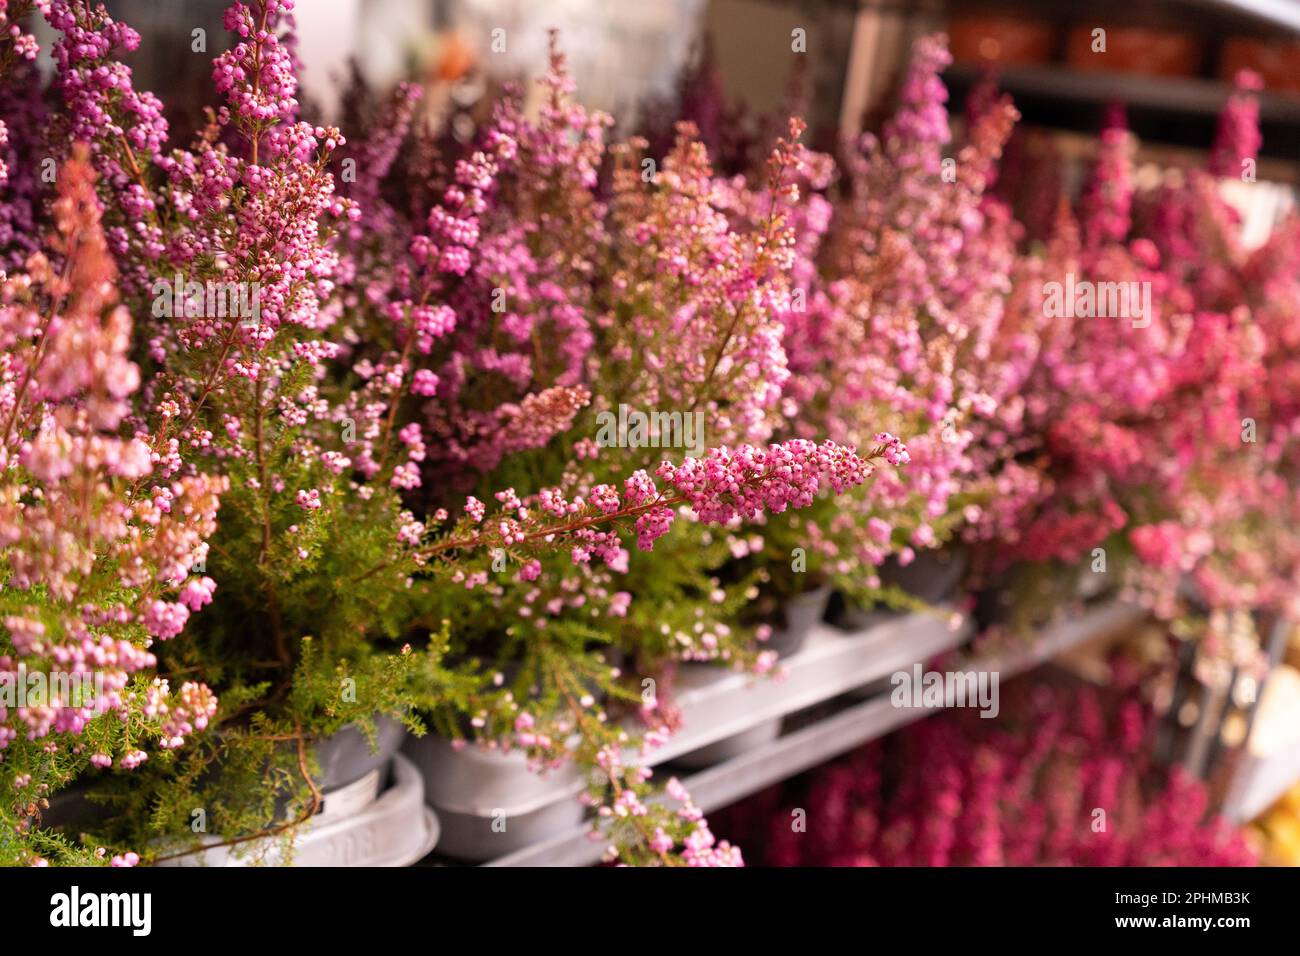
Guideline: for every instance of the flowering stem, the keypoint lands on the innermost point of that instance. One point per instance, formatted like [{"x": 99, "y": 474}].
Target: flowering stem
[
  {"x": 590, "y": 733},
  {"x": 39, "y": 358}
]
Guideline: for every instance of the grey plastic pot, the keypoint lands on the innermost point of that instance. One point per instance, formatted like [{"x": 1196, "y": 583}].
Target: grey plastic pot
[
  {"x": 70, "y": 809},
  {"x": 697, "y": 675},
  {"x": 800, "y": 615},
  {"x": 397, "y": 829},
  {"x": 490, "y": 803},
  {"x": 932, "y": 576},
  {"x": 347, "y": 756}
]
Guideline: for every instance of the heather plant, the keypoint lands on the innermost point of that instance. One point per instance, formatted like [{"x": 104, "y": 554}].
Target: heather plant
[
  {"x": 669, "y": 334},
  {"x": 226, "y": 250},
  {"x": 909, "y": 266},
  {"x": 943, "y": 247},
  {"x": 685, "y": 305},
  {"x": 96, "y": 543},
  {"x": 1062, "y": 779},
  {"x": 1141, "y": 425}
]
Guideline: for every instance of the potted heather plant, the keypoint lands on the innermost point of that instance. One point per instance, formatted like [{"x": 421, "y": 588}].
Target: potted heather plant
[
  {"x": 95, "y": 576},
  {"x": 234, "y": 378},
  {"x": 458, "y": 391},
  {"x": 1127, "y": 477}
]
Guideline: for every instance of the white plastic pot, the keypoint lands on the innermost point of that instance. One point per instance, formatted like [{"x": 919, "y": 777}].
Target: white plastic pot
[
  {"x": 714, "y": 710},
  {"x": 344, "y": 802},
  {"x": 396, "y": 829},
  {"x": 490, "y": 803},
  {"x": 477, "y": 839}
]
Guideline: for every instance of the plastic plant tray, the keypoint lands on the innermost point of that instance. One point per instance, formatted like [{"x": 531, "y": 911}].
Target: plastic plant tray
[{"x": 395, "y": 830}]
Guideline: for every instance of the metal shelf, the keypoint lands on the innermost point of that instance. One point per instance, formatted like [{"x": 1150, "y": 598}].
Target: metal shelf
[{"x": 829, "y": 737}]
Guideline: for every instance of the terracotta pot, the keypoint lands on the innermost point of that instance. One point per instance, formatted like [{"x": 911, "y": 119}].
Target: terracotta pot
[
  {"x": 1001, "y": 39},
  {"x": 1144, "y": 50},
  {"x": 1277, "y": 61}
]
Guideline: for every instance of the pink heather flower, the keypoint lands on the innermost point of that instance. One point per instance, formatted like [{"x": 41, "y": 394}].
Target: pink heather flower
[
  {"x": 308, "y": 499},
  {"x": 335, "y": 462},
  {"x": 164, "y": 619},
  {"x": 410, "y": 532},
  {"x": 748, "y": 481},
  {"x": 133, "y": 759},
  {"x": 424, "y": 382},
  {"x": 125, "y": 859},
  {"x": 639, "y": 489},
  {"x": 1160, "y": 544},
  {"x": 1108, "y": 195},
  {"x": 661, "y": 842},
  {"x": 197, "y": 592}
]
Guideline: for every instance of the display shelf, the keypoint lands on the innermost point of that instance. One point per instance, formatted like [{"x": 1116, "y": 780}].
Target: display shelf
[
  {"x": 830, "y": 663},
  {"x": 1275, "y": 13},
  {"x": 831, "y": 736},
  {"x": 1182, "y": 95}
]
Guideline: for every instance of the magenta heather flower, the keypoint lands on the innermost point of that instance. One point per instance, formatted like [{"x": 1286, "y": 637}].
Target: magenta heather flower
[
  {"x": 1108, "y": 194},
  {"x": 745, "y": 483},
  {"x": 921, "y": 120},
  {"x": 953, "y": 791},
  {"x": 1237, "y": 140}
]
